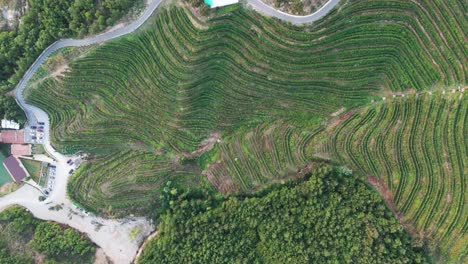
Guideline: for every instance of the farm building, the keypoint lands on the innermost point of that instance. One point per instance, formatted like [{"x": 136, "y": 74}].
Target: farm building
[
  {"x": 20, "y": 150},
  {"x": 218, "y": 3},
  {"x": 12, "y": 136},
  {"x": 10, "y": 124},
  {"x": 15, "y": 169}
]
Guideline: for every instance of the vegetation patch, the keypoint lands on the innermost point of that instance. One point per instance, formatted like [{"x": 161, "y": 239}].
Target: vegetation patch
[
  {"x": 328, "y": 218},
  {"x": 34, "y": 168},
  {"x": 25, "y": 239}
]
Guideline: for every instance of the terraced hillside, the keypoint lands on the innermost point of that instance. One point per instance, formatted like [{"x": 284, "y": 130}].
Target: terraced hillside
[
  {"x": 147, "y": 104},
  {"x": 418, "y": 149},
  {"x": 253, "y": 158}
]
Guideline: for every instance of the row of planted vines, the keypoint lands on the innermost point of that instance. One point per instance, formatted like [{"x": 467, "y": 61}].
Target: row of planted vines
[
  {"x": 266, "y": 154},
  {"x": 143, "y": 105},
  {"x": 418, "y": 147}
]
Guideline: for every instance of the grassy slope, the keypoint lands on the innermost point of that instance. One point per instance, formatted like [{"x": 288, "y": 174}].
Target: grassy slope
[
  {"x": 33, "y": 167},
  {"x": 142, "y": 103}
]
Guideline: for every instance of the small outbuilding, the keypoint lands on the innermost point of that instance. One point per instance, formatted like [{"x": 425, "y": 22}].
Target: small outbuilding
[
  {"x": 218, "y": 3},
  {"x": 15, "y": 168},
  {"x": 10, "y": 124},
  {"x": 18, "y": 150}
]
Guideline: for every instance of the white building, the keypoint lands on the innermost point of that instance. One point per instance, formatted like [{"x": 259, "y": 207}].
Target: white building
[
  {"x": 218, "y": 3},
  {"x": 10, "y": 124}
]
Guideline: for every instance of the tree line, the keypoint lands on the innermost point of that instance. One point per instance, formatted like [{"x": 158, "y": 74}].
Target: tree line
[
  {"x": 331, "y": 217},
  {"x": 22, "y": 236}
]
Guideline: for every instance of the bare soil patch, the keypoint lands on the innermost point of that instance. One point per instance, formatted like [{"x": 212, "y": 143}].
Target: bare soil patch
[
  {"x": 204, "y": 146},
  {"x": 296, "y": 7},
  {"x": 306, "y": 169},
  {"x": 336, "y": 121},
  {"x": 224, "y": 184},
  {"x": 382, "y": 188},
  {"x": 59, "y": 71},
  {"x": 8, "y": 188},
  {"x": 338, "y": 112},
  {"x": 101, "y": 258}
]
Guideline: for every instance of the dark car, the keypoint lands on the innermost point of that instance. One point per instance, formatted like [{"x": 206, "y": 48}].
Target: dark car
[
  {"x": 69, "y": 161},
  {"x": 41, "y": 127},
  {"x": 34, "y": 137},
  {"x": 40, "y": 130},
  {"x": 71, "y": 171},
  {"x": 41, "y": 123},
  {"x": 46, "y": 192},
  {"x": 33, "y": 127}
]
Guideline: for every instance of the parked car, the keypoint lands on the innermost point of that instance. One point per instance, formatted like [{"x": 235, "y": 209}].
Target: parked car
[
  {"x": 40, "y": 130},
  {"x": 46, "y": 192},
  {"x": 69, "y": 161},
  {"x": 34, "y": 137},
  {"x": 33, "y": 127},
  {"x": 71, "y": 171},
  {"x": 41, "y": 123}
]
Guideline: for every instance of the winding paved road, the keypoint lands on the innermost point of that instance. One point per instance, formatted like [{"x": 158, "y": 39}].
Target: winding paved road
[
  {"x": 110, "y": 234},
  {"x": 265, "y": 9}
]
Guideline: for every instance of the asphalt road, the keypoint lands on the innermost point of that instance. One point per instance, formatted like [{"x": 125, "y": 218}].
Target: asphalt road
[
  {"x": 113, "y": 235},
  {"x": 265, "y": 9}
]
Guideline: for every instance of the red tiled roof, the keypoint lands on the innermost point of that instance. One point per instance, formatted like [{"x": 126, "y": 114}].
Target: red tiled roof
[
  {"x": 12, "y": 136},
  {"x": 20, "y": 150},
  {"x": 13, "y": 167}
]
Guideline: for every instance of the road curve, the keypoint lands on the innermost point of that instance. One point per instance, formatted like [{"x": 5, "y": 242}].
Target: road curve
[
  {"x": 110, "y": 234},
  {"x": 265, "y": 9}
]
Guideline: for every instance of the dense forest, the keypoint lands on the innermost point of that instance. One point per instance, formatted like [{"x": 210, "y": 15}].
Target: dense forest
[
  {"x": 44, "y": 22},
  {"x": 24, "y": 238},
  {"x": 332, "y": 217}
]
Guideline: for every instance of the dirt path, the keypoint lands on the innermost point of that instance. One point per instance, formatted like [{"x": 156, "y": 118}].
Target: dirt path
[
  {"x": 206, "y": 145},
  {"x": 148, "y": 239},
  {"x": 382, "y": 188}
]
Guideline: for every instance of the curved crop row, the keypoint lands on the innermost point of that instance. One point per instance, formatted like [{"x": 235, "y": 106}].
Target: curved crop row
[
  {"x": 249, "y": 160},
  {"x": 160, "y": 93},
  {"x": 421, "y": 152}
]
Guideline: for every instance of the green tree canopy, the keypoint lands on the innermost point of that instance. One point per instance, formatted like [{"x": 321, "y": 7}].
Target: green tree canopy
[{"x": 330, "y": 218}]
